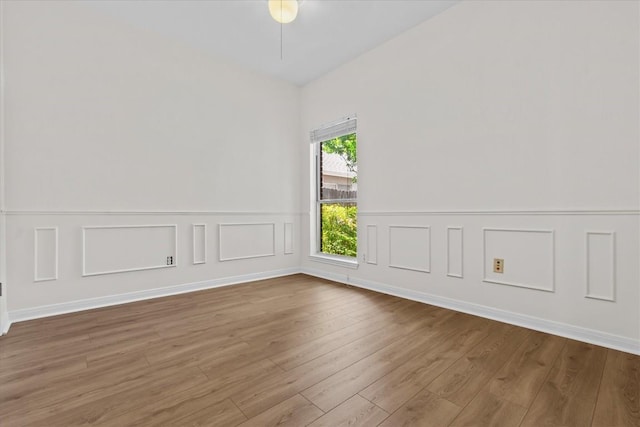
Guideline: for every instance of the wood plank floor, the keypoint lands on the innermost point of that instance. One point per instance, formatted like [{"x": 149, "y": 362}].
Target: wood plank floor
[{"x": 297, "y": 351}]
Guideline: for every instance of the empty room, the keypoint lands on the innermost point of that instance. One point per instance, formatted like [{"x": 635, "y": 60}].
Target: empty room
[{"x": 320, "y": 213}]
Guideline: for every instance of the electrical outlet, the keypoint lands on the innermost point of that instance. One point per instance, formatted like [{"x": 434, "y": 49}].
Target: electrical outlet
[
  {"x": 498, "y": 265},
  {"x": 169, "y": 260}
]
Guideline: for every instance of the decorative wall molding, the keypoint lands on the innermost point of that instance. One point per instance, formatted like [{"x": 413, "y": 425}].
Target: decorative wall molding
[
  {"x": 631, "y": 212},
  {"x": 487, "y": 279},
  {"x": 259, "y": 253},
  {"x": 36, "y": 258},
  {"x": 459, "y": 275},
  {"x": 426, "y": 268},
  {"x": 288, "y": 238},
  {"x": 599, "y": 261},
  {"x": 136, "y": 212},
  {"x": 372, "y": 245},
  {"x": 106, "y": 301},
  {"x": 85, "y": 229},
  {"x": 615, "y": 342},
  {"x": 199, "y": 236},
  {"x": 628, "y": 212}
]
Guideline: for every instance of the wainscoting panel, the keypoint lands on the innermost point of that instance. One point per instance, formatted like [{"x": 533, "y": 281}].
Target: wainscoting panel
[
  {"x": 410, "y": 247},
  {"x": 372, "y": 244},
  {"x": 92, "y": 245},
  {"x": 123, "y": 248},
  {"x": 529, "y": 259},
  {"x": 199, "y": 243},
  {"x": 288, "y": 238},
  {"x": 455, "y": 245},
  {"x": 45, "y": 254},
  {"x": 601, "y": 265},
  {"x": 242, "y": 241}
]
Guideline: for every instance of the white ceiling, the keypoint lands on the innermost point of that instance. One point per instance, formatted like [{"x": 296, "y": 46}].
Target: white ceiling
[{"x": 326, "y": 33}]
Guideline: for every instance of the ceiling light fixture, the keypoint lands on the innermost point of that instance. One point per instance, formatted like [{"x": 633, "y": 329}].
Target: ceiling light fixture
[{"x": 283, "y": 11}]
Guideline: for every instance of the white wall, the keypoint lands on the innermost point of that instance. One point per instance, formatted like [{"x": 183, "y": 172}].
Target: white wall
[
  {"x": 507, "y": 115},
  {"x": 110, "y": 125},
  {"x": 496, "y": 117}
]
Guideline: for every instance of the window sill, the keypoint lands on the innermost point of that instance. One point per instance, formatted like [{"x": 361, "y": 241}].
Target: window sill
[{"x": 335, "y": 260}]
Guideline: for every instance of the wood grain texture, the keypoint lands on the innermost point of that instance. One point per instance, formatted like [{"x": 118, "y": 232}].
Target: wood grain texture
[
  {"x": 489, "y": 410},
  {"x": 302, "y": 351},
  {"x": 504, "y": 400},
  {"x": 329, "y": 393},
  {"x": 464, "y": 379},
  {"x": 180, "y": 405},
  {"x": 264, "y": 394},
  {"x": 568, "y": 396},
  {"x": 619, "y": 397},
  {"x": 423, "y": 410},
  {"x": 454, "y": 339},
  {"x": 223, "y": 413},
  {"x": 354, "y": 412},
  {"x": 293, "y": 412},
  {"x": 519, "y": 380}
]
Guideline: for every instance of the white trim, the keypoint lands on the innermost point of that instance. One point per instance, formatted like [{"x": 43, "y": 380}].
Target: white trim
[
  {"x": 288, "y": 225},
  {"x": 135, "y": 212},
  {"x": 92, "y": 303},
  {"x": 35, "y": 255},
  {"x": 575, "y": 212},
  {"x": 519, "y": 285},
  {"x": 372, "y": 259},
  {"x": 273, "y": 241},
  {"x": 461, "y": 275},
  {"x": 555, "y": 328},
  {"x": 126, "y": 270},
  {"x": 204, "y": 240},
  {"x": 632, "y": 212},
  {"x": 5, "y": 322},
  {"x": 2, "y": 112},
  {"x": 613, "y": 266},
  {"x": 401, "y": 267},
  {"x": 337, "y": 260}
]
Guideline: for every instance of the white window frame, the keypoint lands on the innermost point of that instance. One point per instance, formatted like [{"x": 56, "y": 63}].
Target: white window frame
[{"x": 342, "y": 127}]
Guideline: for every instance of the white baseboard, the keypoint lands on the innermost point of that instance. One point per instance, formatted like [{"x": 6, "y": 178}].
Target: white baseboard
[
  {"x": 88, "y": 304},
  {"x": 6, "y": 324},
  {"x": 555, "y": 328}
]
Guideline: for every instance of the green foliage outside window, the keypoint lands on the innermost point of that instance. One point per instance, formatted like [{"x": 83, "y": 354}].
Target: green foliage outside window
[
  {"x": 339, "y": 220},
  {"x": 345, "y": 147},
  {"x": 339, "y": 230}
]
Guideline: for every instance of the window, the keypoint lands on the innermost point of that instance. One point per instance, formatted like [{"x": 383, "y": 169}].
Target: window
[{"x": 336, "y": 198}]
